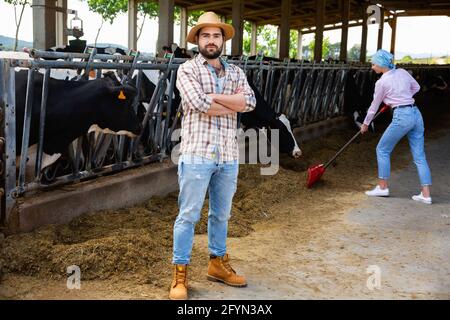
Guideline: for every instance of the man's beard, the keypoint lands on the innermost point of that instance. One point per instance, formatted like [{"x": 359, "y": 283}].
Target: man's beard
[{"x": 210, "y": 55}]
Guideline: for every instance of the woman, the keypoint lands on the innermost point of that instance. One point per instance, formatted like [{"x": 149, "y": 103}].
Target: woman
[{"x": 396, "y": 88}]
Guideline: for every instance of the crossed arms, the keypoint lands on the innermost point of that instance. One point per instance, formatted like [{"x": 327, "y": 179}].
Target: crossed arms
[
  {"x": 213, "y": 104},
  {"x": 226, "y": 104}
]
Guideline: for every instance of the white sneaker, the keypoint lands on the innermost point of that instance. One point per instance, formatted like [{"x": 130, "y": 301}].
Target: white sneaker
[
  {"x": 378, "y": 192},
  {"x": 422, "y": 199}
]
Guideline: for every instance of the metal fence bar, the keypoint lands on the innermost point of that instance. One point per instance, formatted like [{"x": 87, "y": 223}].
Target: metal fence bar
[
  {"x": 26, "y": 128},
  {"x": 39, "y": 54},
  {"x": 45, "y": 86},
  {"x": 316, "y": 93},
  {"x": 34, "y": 186},
  {"x": 168, "y": 112},
  {"x": 8, "y": 106},
  {"x": 36, "y": 64}
]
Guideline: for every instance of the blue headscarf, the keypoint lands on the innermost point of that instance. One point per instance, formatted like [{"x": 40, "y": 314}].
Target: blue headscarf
[{"x": 383, "y": 59}]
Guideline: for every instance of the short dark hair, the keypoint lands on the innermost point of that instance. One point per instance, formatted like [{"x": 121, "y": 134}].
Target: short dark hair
[{"x": 198, "y": 32}]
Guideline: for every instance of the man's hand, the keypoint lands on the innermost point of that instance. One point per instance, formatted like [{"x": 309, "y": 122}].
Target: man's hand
[
  {"x": 217, "y": 109},
  {"x": 213, "y": 96},
  {"x": 364, "y": 128}
]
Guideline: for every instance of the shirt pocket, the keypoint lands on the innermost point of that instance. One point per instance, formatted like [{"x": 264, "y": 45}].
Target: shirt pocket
[{"x": 207, "y": 83}]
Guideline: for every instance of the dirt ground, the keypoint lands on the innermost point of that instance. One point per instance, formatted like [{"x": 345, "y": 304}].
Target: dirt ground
[{"x": 286, "y": 238}]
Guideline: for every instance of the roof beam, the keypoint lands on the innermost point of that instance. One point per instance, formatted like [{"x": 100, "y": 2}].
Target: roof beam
[
  {"x": 262, "y": 12},
  {"x": 298, "y": 17},
  {"x": 210, "y": 5},
  {"x": 426, "y": 12}
]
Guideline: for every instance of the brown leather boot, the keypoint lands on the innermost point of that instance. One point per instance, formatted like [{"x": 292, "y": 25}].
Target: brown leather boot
[
  {"x": 178, "y": 288},
  {"x": 219, "y": 269}
]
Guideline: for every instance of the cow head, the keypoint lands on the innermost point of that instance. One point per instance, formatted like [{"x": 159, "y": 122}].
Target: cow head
[
  {"x": 116, "y": 113},
  {"x": 288, "y": 142}
]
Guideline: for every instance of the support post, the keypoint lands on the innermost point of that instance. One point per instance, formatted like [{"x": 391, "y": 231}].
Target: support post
[
  {"x": 253, "y": 38},
  {"x": 132, "y": 24},
  {"x": 393, "y": 24},
  {"x": 165, "y": 34},
  {"x": 300, "y": 44},
  {"x": 238, "y": 23},
  {"x": 380, "y": 30},
  {"x": 61, "y": 23},
  {"x": 183, "y": 27},
  {"x": 283, "y": 51},
  {"x": 344, "y": 33},
  {"x": 277, "y": 51},
  {"x": 362, "y": 56},
  {"x": 44, "y": 24},
  {"x": 320, "y": 13},
  {"x": 224, "y": 49}
]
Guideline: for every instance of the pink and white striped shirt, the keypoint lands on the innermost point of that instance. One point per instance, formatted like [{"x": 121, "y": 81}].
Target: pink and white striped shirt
[{"x": 395, "y": 88}]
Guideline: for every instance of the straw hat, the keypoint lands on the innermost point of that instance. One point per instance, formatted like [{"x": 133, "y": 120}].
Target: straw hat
[{"x": 210, "y": 19}]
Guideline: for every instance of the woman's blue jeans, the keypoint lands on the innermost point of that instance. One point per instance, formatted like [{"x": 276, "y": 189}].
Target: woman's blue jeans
[
  {"x": 195, "y": 176},
  {"x": 406, "y": 121}
]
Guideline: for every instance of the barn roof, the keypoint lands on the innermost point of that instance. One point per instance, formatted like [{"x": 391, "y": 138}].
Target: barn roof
[{"x": 303, "y": 13}]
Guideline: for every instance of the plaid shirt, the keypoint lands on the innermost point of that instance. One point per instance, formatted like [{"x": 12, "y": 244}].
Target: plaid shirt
[{"x": 201, "y": 133}]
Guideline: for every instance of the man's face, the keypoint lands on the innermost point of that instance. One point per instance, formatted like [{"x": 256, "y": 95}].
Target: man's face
[{"x": 210, "y": 42}]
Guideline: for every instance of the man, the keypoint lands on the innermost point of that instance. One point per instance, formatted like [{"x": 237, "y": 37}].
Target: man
[
  {"x": 212, "y": 93},
  {"x": 166, "y": 50}
]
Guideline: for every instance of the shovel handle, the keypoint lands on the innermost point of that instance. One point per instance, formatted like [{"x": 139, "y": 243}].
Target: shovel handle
[{"x": 383, "y": 109}]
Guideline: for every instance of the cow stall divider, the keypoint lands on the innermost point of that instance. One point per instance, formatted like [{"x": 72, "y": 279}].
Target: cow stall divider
[
  {"x": 84, "y": 164},
  {"x": 305, "y": 92}
]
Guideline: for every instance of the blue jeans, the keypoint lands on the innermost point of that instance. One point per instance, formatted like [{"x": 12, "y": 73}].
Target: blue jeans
[
  {"x": 406, "y": 121},
  {"x": 195, "y": 175}
]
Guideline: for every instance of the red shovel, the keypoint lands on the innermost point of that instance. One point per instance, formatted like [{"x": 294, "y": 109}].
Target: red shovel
[{"x": 315, "y": 172}]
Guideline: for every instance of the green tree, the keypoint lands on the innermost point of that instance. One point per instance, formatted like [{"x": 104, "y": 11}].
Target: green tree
[
  {"x": 149, "y": 9},
  {"x": 325, "y": 47},
  {"x": 246, "y": 41},
  {"x": 192, "y": 15},
  {"x": 293, "y": 38},
  {"x": 268, "y": 44},
  {"x": 354, "y": 53},
  {"x": 18, "y": 20},
  {"x": 335, "y": 50},
  {"x": 407, "y": 59},
  {"x": 108, "y": 10}
]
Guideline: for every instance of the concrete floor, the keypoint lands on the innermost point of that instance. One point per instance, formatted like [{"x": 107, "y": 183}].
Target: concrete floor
[
  {"x": 408, "y": 243},
  {"x": 329, "y": 256}
]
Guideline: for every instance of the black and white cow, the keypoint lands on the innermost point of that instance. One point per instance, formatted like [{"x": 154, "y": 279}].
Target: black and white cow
[
  {"x": 73, "y": 108},
  {"x": 264, "y": 116},
  {"x": 358, "y": 95},
  {"x": 432, "y": 80}
]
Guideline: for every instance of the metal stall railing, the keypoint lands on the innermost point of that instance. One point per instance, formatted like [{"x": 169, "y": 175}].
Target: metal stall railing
[
  {"x": 106, "y": 152},
  {"x": 304, "y": 92}
]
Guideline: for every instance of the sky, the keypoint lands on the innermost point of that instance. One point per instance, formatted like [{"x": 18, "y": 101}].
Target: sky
[{"x": 415, "y": 35}]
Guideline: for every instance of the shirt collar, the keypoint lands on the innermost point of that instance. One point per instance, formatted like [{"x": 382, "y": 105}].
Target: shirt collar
[
  {"x": 203, "y": 61},
  {"x": 388, "y": 72}
]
